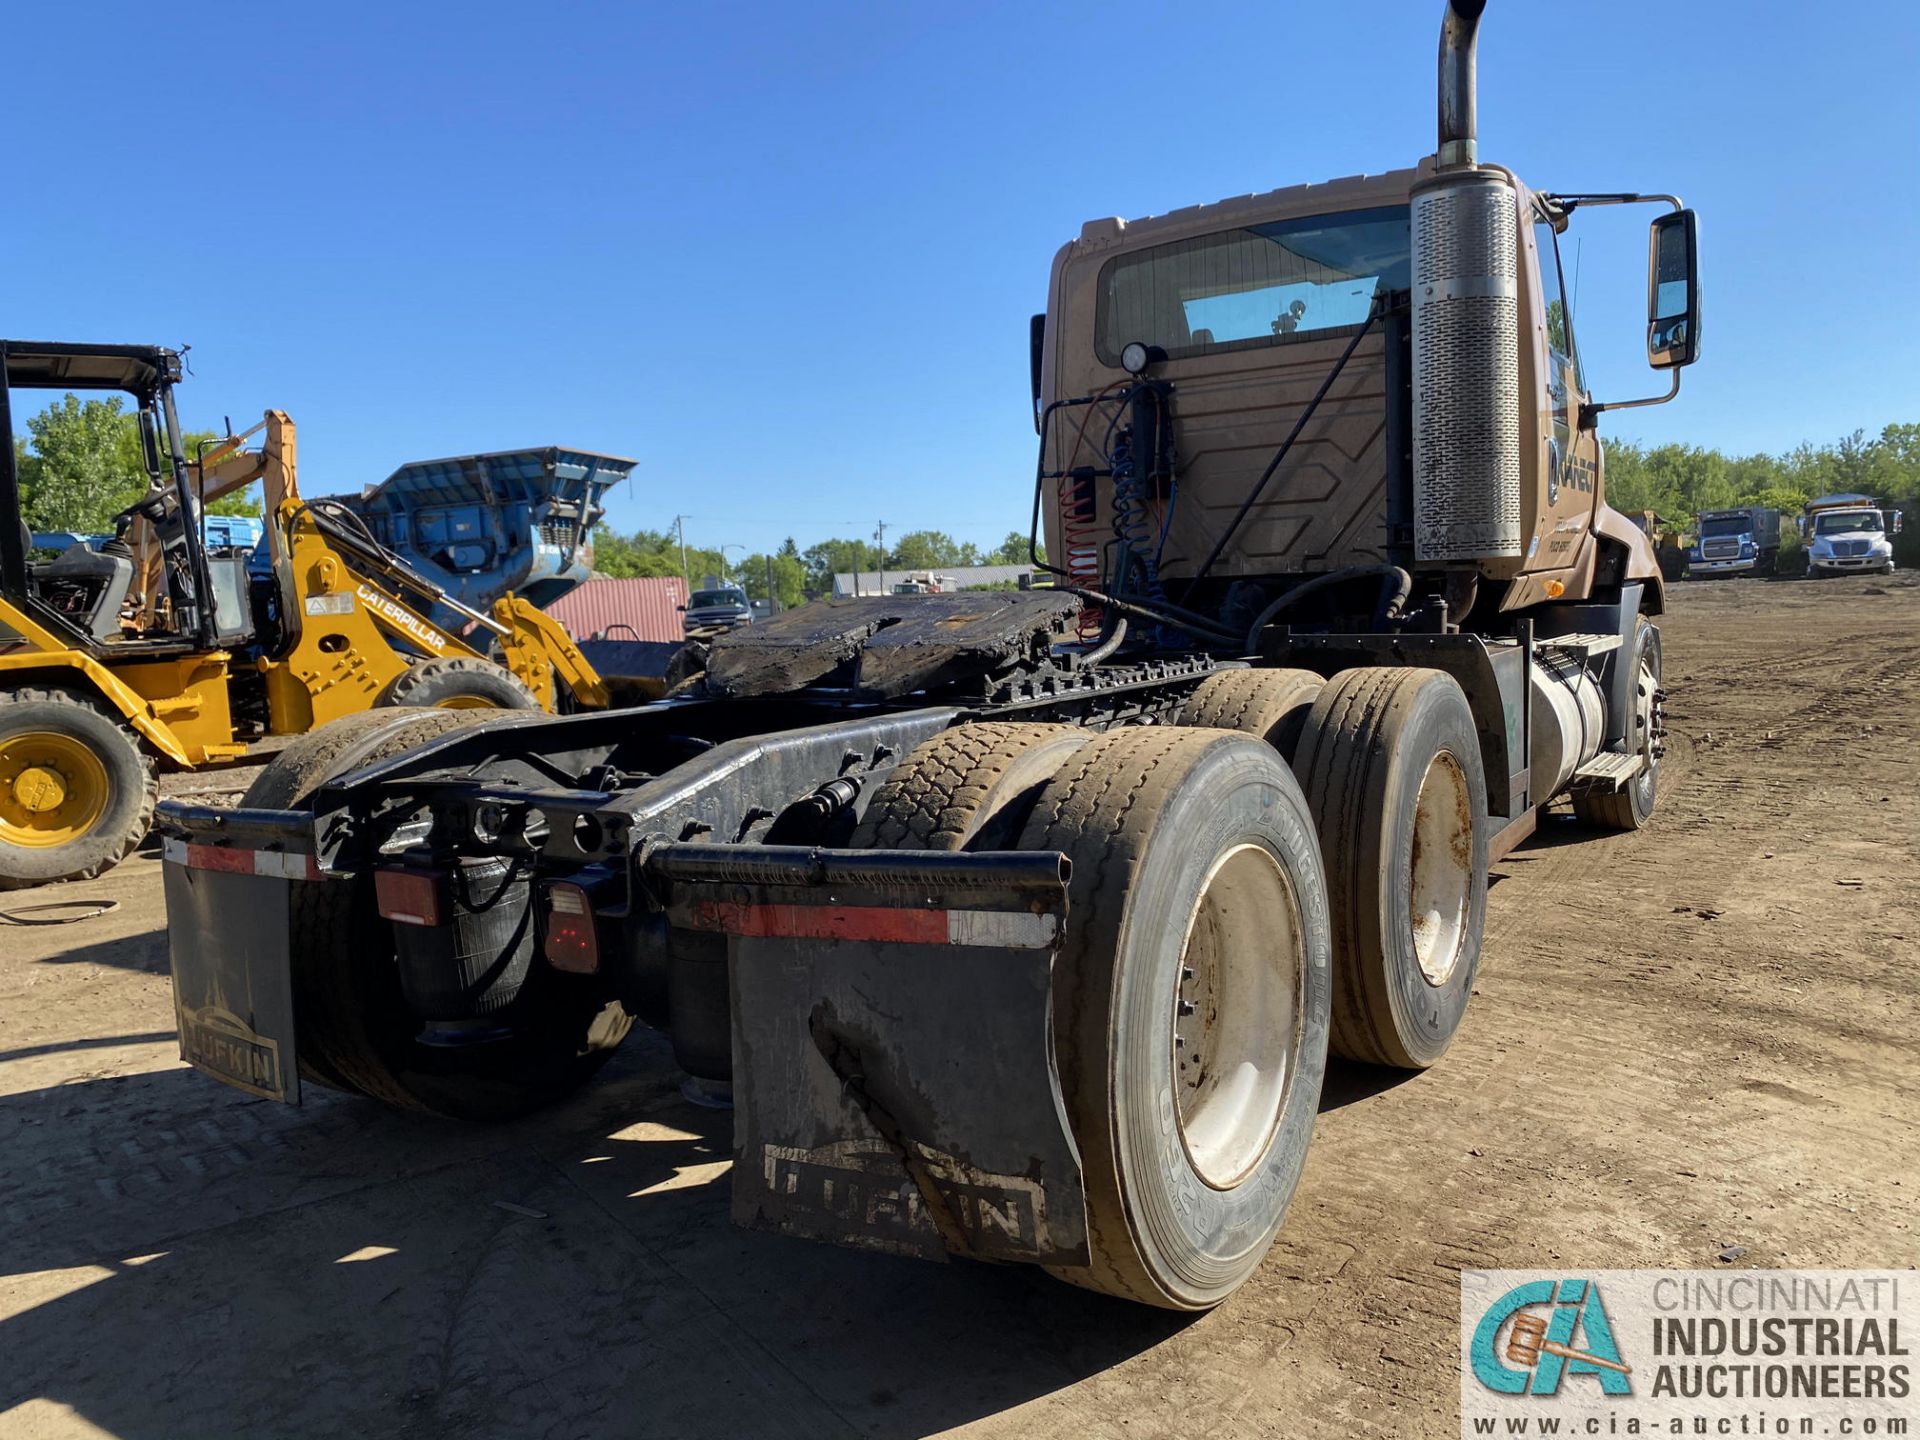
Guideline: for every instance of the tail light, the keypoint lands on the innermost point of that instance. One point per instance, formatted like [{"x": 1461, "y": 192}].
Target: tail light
[
  {"x": 409, "y": 897},
  {"x": 571, "y": 943}
]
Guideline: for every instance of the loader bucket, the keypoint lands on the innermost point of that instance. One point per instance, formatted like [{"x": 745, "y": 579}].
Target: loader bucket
[
  {"x": 893, "y": 1071},
  {"x": 483, "y": 526}
]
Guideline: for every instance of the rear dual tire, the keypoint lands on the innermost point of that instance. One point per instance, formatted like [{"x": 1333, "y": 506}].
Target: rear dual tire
[
  {"x": 1271, "y": 703},
  {"x": 1191, "y": 989},
  {"x": 1390, "y": 761}
]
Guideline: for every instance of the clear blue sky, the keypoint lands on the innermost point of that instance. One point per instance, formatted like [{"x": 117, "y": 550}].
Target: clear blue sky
[{"x": 785, "y": 255}]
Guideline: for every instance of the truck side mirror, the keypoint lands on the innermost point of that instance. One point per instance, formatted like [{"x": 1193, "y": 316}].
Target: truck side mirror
[
  {"x": 1673, "y": 290},
  {"x": 1896, "y": 523}
]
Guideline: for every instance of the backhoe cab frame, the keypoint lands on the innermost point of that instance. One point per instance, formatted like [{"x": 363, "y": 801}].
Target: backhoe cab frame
[{"x": 146, "y": 374}]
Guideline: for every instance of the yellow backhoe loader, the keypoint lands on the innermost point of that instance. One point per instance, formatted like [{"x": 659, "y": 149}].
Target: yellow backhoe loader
[{"x": 149, "y": 648}]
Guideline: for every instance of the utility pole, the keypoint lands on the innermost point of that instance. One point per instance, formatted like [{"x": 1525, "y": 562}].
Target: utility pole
[
  {"x": 773, "y": 604},
  {"x": 680, "y": 529},
  {"x": 880, "y": 539}
]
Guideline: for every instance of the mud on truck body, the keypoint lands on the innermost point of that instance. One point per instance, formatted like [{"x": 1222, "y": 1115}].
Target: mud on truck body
[{"x": 1021, "y": 924}]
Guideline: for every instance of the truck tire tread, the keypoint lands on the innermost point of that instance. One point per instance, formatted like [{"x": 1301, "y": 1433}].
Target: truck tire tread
[
  {"x": 1270, "y": 703},
  {"x": 948, "y": 789},
  {"x": 1348, "y": 772},
  {"x": 432, "y": 683},
  {"x": 1101, "y": 811}
]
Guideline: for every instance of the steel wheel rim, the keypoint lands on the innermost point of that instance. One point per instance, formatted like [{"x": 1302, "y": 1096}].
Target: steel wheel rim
[
  {"x": 1440, "y": 882},
  {"x": 53, "y": 789},
  {"x": 1236, "y": 1014},
  {"x": 1646, "y": 687}
]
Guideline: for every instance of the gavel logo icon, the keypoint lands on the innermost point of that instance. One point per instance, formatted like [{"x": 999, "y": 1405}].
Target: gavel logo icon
[{"x": 1527, "y": 1342}]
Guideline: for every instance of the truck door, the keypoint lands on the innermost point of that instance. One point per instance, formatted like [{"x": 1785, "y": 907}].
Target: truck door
[{"x": 1572, "y": 459}]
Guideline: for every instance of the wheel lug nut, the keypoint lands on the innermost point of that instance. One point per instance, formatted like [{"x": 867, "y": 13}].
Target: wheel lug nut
[{"x": 1185, "y": 1007}]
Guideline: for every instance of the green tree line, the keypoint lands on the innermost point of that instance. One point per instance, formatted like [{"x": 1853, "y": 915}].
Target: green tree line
[
  {"x": 796, "y": 574},
  {"x": 1677, "y": 482},
  {"x": 80, "y": 465}
]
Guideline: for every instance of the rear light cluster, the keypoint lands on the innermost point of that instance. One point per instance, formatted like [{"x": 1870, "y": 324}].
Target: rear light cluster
[
  {"x": 418, "y": 898},
  {"x": 570, "y": 941}
]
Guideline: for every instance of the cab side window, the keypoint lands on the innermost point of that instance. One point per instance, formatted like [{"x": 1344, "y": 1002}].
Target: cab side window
[{"x": 1553, "y": 294}]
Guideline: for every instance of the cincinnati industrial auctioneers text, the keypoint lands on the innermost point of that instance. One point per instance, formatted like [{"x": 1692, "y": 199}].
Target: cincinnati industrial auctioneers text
[
  {"x": 1780, "y": 1336},
  {"x": 1653, "y": 1352}
]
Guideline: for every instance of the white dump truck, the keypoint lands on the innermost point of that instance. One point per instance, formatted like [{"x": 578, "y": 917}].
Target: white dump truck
[{"x": 1848, "y": 534}]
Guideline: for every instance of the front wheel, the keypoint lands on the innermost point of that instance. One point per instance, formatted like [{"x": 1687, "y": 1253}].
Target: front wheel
[
  {"x": 1632, "y": 806},
  {"x": 456, "y": 683},
  {"x": 1190, "y": 1002}
]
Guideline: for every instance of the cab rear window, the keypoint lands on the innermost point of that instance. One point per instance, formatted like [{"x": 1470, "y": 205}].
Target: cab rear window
[{"x": 1262, "y": 285}]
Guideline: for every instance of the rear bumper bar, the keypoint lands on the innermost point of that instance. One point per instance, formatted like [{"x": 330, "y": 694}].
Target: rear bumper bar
[{"x": 891, "y": 1019}]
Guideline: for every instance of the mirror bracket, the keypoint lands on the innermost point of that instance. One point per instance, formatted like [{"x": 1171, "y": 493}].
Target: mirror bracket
[
  {"x": 1562, "y": 206},
  {"x": 1590, "y": 412}
]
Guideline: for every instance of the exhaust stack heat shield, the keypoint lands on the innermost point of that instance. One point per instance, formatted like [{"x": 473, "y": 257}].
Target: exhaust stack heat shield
[{"x": 1466, "y": 370}]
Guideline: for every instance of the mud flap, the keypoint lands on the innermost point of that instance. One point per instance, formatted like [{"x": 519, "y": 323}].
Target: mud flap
[
  {"x": 228, "y": 927},
  {"x": 893, "y": 1072}
]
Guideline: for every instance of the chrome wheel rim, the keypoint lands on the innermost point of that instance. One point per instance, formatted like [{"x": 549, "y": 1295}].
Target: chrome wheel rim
[{"x": 1440, "y": 881}]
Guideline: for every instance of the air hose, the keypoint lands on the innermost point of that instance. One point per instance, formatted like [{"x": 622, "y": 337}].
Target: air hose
[{"x": 1395, "y": 586}]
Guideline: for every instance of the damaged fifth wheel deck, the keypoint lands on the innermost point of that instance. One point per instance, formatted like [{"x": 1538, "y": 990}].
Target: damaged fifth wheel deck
[
  {"x": 1021, "y": 925},
  {"x": 890, "y": 645}
]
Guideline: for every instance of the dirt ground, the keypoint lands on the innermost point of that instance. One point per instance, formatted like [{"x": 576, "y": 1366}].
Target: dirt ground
[{"x": 1694, "y": 1038}]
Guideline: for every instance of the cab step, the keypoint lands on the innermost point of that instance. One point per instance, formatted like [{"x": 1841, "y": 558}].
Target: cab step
[
  {"x": 1606, "y": 772},
  {"x": 1581, "y": 643}
]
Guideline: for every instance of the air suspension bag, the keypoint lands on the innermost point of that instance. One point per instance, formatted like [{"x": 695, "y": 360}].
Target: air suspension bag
[{"x": 473, "y": 964}]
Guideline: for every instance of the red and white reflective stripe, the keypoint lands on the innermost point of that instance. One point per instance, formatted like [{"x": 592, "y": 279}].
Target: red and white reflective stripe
[
  {"x": 281, "y": 864},
  {"x": 1008, "y": 929}
]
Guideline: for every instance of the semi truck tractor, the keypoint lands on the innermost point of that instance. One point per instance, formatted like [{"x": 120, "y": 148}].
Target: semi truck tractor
[
  {"x": 1735, "y": 542},
  {"x": 1020, "y": 925},
  {"x": 1848, "y": 534}
]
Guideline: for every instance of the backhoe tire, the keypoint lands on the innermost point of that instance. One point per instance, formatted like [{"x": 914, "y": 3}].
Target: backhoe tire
[
  {"x": 1632, "y": 806},
  {"x": 355, "y": 1030},
  {"x": 1390, "y": 761},
  {"x": 455, "y": 683},
  {"x": 1272, "y": 704},
  {"x": 76, "y": 790},
  {"x": 969, "y": 788},
  {"x": 1190, "y": 996}
]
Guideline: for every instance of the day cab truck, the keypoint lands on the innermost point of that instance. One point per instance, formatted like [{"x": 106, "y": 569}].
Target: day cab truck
[
  {"x": 1735, "y": 542},
  {"x": 1847, "y": 535},
  {"x": 1021, "y": 924}
]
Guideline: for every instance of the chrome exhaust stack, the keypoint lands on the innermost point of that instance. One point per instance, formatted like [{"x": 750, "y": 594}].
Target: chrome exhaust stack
[
  {"x": 1466, "y": 333},
  {"x": 1459, "y": 85}
]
